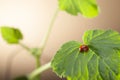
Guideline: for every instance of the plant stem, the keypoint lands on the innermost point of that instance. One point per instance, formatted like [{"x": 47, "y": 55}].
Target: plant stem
[
  {"x": 35, "y": 73},
  {"x": 37, "y": 62},
  {"x": 43, "y": 43},
  {"x": 24, "y": 46},
  {"x": 37, "y": 66},
  {"x": 39, "y": 70}
]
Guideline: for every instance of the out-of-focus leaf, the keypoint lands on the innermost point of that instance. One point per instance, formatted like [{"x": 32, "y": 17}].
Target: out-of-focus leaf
[
  {"x": 87, "y": 8},
  {"x": 11, "y": 35}
]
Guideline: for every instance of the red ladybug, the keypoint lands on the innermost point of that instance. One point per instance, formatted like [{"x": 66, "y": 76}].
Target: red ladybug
[{"x": 84, "y": 48}]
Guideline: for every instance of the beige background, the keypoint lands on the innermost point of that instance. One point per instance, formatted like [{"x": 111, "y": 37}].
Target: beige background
[{"x": 32, "y": 17}]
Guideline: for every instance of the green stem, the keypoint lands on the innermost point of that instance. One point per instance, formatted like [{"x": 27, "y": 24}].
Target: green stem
[
  {"x": 44, "y": 41},
  {"x": 39, "y": 70},
  {"x": 37, "y": 62},
  {"x": 37, "y": 66},
  {"x": 24, "y": 46},
  {"x": 42, "y": 46}
]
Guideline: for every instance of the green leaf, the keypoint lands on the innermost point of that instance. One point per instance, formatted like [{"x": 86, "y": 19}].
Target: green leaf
[
  {"x": 87, "y": 8},
  {"x": 21, "y": 78},
  {"x": 101, "y": 62},
  {"x": 11, "y": 35}
]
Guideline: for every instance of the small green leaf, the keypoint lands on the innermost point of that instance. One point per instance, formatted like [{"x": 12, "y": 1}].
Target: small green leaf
[
  {"x": 21, "y": 78},
  {"x": 87, "y": 8},
  {"x": 101, "y": 62},
  {"x": 11, "y": 35}
]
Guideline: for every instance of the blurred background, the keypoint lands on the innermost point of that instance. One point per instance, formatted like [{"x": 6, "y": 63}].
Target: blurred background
[{"x": 32, "y": 17}]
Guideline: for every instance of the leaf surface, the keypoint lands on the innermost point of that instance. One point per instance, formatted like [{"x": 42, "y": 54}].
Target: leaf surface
[
  {"x": 11, "y": 35},
  {"x": 87, "y": 8},
  {"x": 101, "y": 62}
]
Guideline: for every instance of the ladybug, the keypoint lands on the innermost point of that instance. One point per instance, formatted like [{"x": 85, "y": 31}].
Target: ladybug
[{"x": 84, "y": 48}]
